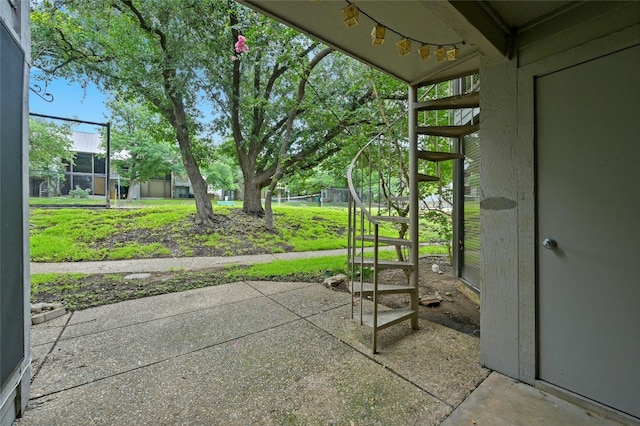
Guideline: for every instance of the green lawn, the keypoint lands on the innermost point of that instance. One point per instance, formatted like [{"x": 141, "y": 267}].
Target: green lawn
[
  {"x": 78, "y": 234},
  {"x": 55, "y": 201}
]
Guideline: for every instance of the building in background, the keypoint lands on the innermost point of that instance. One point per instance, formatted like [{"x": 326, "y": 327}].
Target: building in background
[{"x": 88, "y": 172}]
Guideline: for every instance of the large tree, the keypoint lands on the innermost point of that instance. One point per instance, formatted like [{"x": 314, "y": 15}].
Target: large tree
[
  {"x": 289, "y": 101},
  {"x": 152, "y": 50}
]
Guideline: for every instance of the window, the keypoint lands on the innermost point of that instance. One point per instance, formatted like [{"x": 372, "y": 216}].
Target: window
[
  {"x": 99, "y": 164},
  {"x": 83, "y": 163}
]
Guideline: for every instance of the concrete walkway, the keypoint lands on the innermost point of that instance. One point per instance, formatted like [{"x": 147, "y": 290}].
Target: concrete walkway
[
  {"x": 265, "y": 353},
  {"x": 175, "y": 263}
]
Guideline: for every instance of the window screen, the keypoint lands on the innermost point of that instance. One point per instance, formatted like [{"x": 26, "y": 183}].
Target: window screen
[{"x": 470, "y": 253}]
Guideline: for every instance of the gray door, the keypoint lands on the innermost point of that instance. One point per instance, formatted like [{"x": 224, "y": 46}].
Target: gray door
[{"x": 588, "y": 189}]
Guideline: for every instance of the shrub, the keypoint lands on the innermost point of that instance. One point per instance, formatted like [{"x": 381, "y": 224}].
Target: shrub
[{"x": 79, "y": 192}]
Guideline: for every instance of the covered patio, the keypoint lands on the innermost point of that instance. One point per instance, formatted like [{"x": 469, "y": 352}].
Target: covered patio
[{"x": 265, "y": 353}]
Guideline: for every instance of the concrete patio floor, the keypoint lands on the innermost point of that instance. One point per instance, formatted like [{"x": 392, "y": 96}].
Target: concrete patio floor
[{"x": 267, "y": 353}]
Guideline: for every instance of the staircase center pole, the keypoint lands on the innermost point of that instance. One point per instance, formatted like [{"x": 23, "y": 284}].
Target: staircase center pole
[{"x": 413, "y": 202}]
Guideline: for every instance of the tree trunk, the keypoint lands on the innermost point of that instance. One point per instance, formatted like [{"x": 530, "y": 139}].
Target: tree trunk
[
  {"x": 204, "y": 209},
  {"x": 178, "y": 119},
  {"x": 131, "y": 191},
  {"x": 268, "y": 212},
  {"x": 252, "y": 199}
]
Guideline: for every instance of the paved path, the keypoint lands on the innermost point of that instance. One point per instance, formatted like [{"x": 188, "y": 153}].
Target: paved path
[{"x": 174, "y": 263}]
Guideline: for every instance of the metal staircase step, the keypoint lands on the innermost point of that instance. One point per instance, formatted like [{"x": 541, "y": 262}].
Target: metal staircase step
[
  {"x": 438, "y": 156},
  {"x": 398, "y": 199},
  {"x": 427, "y": 178},
  {"x": 448, "y": 131},
  {"x": 388, "y": 318},
  {"x": 382, "y": 263},
  {"x": 468, "y": 100},
  {"x": 367, "y": 288},
  {"x": 397, "y": 219},
  {"x": 387, "y": 240}
]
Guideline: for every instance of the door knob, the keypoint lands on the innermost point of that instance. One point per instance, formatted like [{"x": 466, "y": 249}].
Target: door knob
[{"x": 549, "y": 244}]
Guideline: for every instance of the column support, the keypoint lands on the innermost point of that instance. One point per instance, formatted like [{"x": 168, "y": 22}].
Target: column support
[{"x": 413, "y": 202}]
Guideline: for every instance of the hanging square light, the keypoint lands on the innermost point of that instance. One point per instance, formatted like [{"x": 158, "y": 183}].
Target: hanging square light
[
  {"x": 425, "y": 52},
  {"x": 404, "y": 46},
  {"x": 377, "y": 34},
  {"x": 350, "y": 14},
  {"x": 440, "y": 54},
  {"x": 452, "y": 54}
]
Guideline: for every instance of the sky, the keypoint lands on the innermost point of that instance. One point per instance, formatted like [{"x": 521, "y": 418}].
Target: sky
[{"x": 71, "y": 101}]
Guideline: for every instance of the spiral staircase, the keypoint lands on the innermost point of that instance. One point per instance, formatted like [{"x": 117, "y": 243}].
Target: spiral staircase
[{"x": 384, "y": 201}]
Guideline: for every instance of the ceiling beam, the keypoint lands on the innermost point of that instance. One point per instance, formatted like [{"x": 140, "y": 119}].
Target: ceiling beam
[{"x": 475, "y": 24}]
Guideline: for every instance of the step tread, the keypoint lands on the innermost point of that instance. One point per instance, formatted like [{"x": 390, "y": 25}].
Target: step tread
[
  {"x": 382, "y": 288},
  {"x": 398, "y": 219},
  {"x": 438, "y": 155},
  {"x": 467, "y": 100},
  {"x": 427, "y": 178},
  {"x": 448, "y": 131},
  {"x": 394, "y": 241},
  {"x": 382, "y": 263},
  {"x": 399, "y": 199},
  {"x": 388, "y": 318}
]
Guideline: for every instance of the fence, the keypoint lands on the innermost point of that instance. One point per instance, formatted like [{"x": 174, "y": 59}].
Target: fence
[{"x": 331, "y": 197}]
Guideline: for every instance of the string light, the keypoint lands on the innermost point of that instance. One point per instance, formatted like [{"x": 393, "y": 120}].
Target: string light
[
  {"x": 404, "y": 46},
  {"x": 452, "y": 54},
  {"x": 351, "y": 15},
  {"x": 425, "y": 52},
  {"x": 377, "y": 35}
]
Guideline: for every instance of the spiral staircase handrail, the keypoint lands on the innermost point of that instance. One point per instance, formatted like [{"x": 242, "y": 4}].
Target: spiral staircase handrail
[
  {"x": 352, "y": 188},
  {"x": 352, "y": 165}
]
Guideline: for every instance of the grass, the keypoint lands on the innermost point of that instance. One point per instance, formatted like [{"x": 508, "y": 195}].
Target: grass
[
  {"x": 165, "y": 227},
  {"x": 100, "y": 200},
  {"x": 53, "y": 201},
  {"x": 278, "y": 269},
  {"x": 73, "y": 235}
]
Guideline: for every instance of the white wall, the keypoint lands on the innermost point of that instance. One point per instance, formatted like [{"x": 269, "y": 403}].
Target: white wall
[{"x": 87, "y": 142}]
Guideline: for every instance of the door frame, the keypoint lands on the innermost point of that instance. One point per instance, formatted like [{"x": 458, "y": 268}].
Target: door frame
[{"x": 527, "y": 206}]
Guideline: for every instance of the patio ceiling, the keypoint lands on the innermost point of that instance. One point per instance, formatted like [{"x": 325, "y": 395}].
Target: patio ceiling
[{"x": 484, "y": 27}]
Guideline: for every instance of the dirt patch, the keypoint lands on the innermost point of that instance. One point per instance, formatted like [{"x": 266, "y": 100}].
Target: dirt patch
[
  {"x": 455, "y": 311},
  {"x": 85, "y": 291},
  {"x": 236, "y": 234}
]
